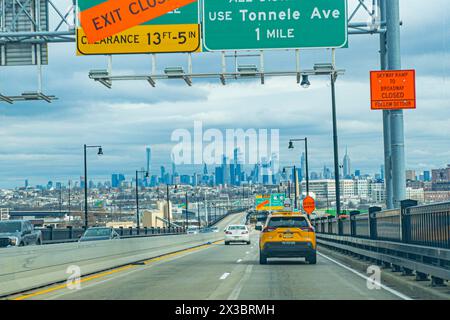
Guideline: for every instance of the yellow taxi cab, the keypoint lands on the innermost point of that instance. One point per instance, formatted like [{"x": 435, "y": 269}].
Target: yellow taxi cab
[{"x": 287, "y": 234}]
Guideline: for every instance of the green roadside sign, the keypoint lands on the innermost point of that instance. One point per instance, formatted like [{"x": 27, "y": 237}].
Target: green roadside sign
[{"x": 274, "y": 24}]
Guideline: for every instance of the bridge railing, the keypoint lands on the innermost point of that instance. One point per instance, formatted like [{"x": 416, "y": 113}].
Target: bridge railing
[
  {"x": 413, "y": 239},
  {"x": 427, "y": 225},
  {"x": 69, "y": 234}
]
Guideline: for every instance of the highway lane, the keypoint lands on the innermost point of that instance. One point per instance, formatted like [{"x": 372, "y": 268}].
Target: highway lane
[{"x": 217, "y": 271}]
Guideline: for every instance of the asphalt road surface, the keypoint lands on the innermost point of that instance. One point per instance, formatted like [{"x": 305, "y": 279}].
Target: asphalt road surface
[{"x": 216, "y": 271}]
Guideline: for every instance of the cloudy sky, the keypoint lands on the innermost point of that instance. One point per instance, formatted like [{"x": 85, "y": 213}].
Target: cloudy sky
[{"x": 41, "y": 142}]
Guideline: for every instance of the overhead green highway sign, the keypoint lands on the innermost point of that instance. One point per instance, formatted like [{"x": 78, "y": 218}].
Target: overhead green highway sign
[{"x": 274, "y": 24}]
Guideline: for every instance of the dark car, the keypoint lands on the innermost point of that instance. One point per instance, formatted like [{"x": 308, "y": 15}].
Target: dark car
[
  {"x": 99, "y": 233},
  {"x": 18, "y": 233}
]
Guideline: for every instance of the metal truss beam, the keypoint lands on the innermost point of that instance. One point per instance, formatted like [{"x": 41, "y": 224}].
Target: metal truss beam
[
  {"x": 61, "y": 28},
  {"x": 363, "y": 19}
]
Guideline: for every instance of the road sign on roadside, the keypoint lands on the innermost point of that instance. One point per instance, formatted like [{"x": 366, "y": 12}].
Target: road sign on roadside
[
  {"x": 309, "y": 205},
  {"x": 288, "y": 24},
  {"x": 393, "y": 90},
  {"x": 177, "y": 31}
]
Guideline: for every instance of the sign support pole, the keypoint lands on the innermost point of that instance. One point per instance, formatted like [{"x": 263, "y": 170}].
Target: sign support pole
[
  {"x": 386, "y": 118},
  {"x": 335, "y": 146},
  {"x": 396, "y": 116}
]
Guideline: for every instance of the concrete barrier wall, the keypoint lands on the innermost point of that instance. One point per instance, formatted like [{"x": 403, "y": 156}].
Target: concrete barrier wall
[{"x": 24, "y": 268}]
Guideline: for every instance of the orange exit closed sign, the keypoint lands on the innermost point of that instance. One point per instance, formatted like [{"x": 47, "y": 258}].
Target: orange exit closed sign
[{"x": 393, "y": 90}]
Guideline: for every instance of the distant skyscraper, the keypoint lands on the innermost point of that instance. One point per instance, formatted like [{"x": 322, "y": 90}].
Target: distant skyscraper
[
  {"x": 302, "y": 168},
  {"x": 148, "y": 151},
  {"x": 205, "y": 169},
  {"x": 117, "y": 179},
  {"x": 219, "y": 179},
  {"x": 225, "y": 172},
  {"x": 347, "y": 167},
  {"x": 382, "y": 171},
  {"x": 326, "y": 172},
  {"x": 163, "y": 174},
  {"x": 174, "y": 169},
  {"x": 274, "y": 167},
  {"x": 410, "y": 175},
  {"x": 265, "y": 164},
  {"x": 426, "y": 176}
]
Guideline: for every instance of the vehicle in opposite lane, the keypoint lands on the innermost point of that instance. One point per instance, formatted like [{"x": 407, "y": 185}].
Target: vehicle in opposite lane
[
  {"x": 192, "y": 230},
  {"x": 18, "y": 233},
  {"x": 99, "y": 233}
]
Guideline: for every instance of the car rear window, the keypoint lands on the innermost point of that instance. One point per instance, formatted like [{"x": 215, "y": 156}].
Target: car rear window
[
  {"x": 98, "y": 232},
  {"x": 236, "y": 228},
  {"x": 288, "y": 222}
]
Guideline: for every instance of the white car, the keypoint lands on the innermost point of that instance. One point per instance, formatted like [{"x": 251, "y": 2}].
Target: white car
[
  {"x": 237, "y": 233},
  {"x": 192, "y": 230}
]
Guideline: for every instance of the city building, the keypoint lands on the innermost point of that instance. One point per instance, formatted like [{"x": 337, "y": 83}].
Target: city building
[
  {"x": 347, "y": 165},
  {"x": 411, "y": 175}
]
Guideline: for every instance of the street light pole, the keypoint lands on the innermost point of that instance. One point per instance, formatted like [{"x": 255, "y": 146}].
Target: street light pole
[
  {"x": 100, "y": 152},
  {"x": 295, "y": 188},
  {"x": 85, "y": 190},
  {"x": 291, "y": 146},
  {"x": 187, "y": 206},
  {"x": 335, "y": 146},
  {"x": 69, "y": 197},
  {"x": 168, "y": 206},
  {"x": 137, "y": 197},
  {"x": 307, "y": 168},
  {"x": 198, "y": 213},
  {"x": 137, "y": 203},
  {"x": 295, "y": 184}
]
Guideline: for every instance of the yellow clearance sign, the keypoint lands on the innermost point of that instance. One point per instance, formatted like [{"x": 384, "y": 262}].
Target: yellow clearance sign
[
  {"x": 144, "y": 39},
  {"x": 177, "y": 31}
]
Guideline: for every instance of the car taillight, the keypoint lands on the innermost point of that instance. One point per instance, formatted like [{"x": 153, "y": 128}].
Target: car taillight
[
  {"x": 228, "y": 232},
  {"x": 244, "y": 232},
  {"x": 269, "y": 229},
  {"x": 309, "y": 229}
]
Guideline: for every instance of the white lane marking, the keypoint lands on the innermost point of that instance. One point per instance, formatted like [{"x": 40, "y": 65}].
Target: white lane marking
[
  {"x": 247, "y": 252},
  {"x": 224, "y": 276},
  {"x": 394, "y": 292},
  {"x": 234, "y": 295},
  {"x": 239, "y": 260}
]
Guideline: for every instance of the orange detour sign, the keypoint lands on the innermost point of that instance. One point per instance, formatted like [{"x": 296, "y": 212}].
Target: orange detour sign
[
  {"x": 309, "y": 205},
  {"x": 393, "y": 90}
]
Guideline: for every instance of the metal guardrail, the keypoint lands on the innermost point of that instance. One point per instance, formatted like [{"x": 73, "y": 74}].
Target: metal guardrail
[
  {"x": 410, "y": 239},
  {"x": 51, "y": 235},
  {"x": 427, "y": 225}
]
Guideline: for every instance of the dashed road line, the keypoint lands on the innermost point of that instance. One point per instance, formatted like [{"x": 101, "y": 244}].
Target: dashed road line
[{"x": 224, "y": 276}]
